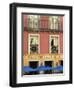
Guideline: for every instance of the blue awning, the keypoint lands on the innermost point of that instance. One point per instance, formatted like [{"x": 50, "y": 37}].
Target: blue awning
[{"x": 42, "y": 68}]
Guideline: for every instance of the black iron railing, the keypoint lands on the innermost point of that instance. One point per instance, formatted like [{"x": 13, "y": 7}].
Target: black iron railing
[{"x": 42, "y": 30}]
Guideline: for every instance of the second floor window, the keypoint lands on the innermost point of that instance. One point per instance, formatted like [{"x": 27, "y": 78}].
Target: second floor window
[
  {"x": 33, "y": 43},
  {"x": 54, "y": 44}
]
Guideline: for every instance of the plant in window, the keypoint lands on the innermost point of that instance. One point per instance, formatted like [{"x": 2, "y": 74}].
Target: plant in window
[
  {"x": 54, "y": 45},
  {"x": 34, "y": 45}
]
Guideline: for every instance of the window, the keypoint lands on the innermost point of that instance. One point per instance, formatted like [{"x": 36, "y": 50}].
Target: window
[
  {"x": 30, "y": 21},
  {"x": 54, "y": 22},
  {"x": 33, "y": 43},
  {"x": 36, "y": 22},
  {"x": 49, "y": 64},
  {"x": 54, "y": 44},
  {"x": 33, "y": 22}
]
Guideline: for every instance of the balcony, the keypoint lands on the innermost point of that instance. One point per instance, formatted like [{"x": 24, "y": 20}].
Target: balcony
[{"x": 42, "y": 30}]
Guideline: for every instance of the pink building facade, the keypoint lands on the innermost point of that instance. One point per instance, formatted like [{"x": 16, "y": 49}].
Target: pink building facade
[{"x": 44, "y": 26}]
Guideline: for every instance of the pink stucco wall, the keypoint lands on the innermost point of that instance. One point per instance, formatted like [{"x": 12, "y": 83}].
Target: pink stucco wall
[
  {"x": 25, "y": 20},
  {"x": 61, "y": 42},
  {"x": 25, "y": 42},
  {"x": 44, "y": 42},
  {"x": 44, "y": 22}
]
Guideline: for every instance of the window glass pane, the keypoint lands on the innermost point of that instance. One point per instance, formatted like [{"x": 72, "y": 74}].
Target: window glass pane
[
  {"x": 33, "y": 22},
  {"x": 54, "y": 22},
  {"x": 34, "y": 44},
  {"x": 54, "y": 44}
]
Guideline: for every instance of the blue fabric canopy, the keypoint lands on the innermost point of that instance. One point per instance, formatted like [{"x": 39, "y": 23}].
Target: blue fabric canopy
[{"x": 41, "y": 68}]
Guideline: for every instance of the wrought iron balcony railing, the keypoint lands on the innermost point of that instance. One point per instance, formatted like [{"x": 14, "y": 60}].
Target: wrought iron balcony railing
[{"x": 42, "y": 30}]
